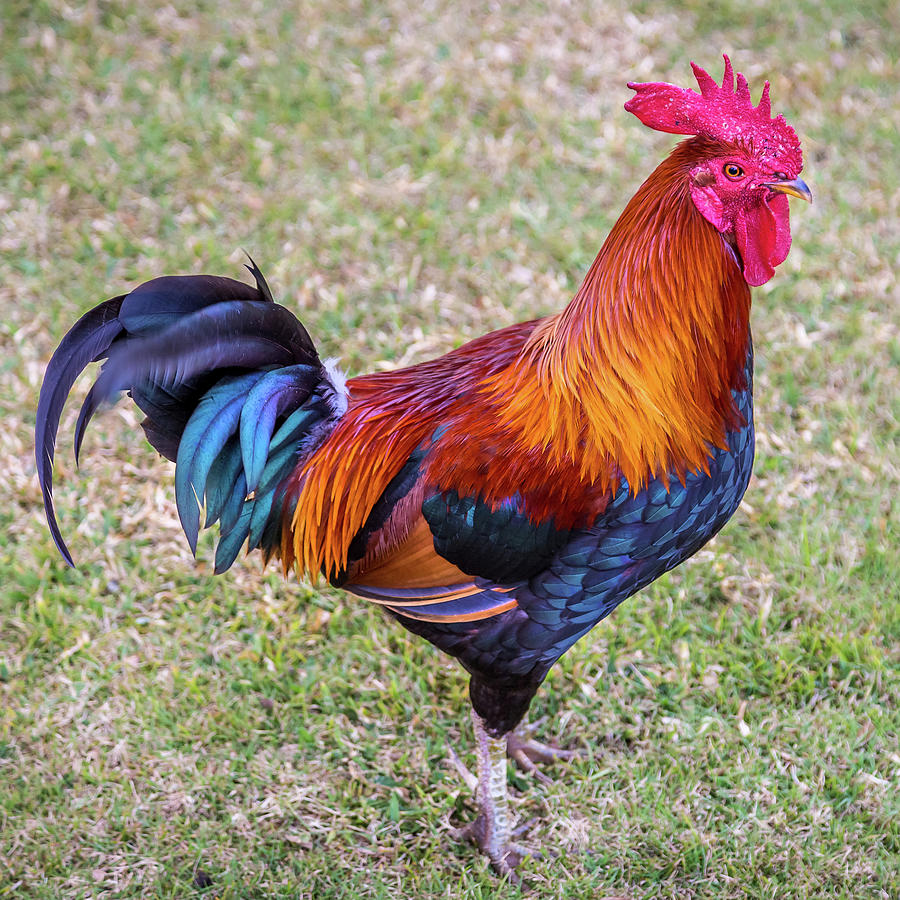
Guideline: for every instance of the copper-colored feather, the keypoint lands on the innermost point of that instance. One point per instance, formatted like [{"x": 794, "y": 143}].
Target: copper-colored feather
[{"x": 411, "y": 564}]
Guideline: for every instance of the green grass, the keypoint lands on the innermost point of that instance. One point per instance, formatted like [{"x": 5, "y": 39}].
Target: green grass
[{"x": 410, "y": 176}]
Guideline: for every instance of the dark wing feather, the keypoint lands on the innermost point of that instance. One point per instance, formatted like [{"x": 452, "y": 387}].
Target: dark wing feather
[{"x": 494, "y": 541}]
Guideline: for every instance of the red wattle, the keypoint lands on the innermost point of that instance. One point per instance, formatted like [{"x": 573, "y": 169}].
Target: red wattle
[{"x": 763, "y": 235}]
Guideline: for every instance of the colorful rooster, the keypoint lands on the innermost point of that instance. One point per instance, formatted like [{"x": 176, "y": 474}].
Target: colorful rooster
[{"x": 501, "y": 500}]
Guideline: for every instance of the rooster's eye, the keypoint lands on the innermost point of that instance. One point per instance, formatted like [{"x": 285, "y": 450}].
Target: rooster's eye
[{"x": 732, "y": 170}]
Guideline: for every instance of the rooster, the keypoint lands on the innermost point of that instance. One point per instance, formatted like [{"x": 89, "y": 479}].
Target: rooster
[{"x": 501, "y": 500}]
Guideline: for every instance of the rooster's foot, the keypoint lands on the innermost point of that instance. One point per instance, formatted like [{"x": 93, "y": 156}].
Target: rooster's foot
[
  {"x": 526, "y": 753},
  {"x": 504, "y": 859}
]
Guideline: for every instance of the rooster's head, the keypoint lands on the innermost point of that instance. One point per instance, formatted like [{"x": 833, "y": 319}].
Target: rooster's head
[{"x": 746, "y": 162}]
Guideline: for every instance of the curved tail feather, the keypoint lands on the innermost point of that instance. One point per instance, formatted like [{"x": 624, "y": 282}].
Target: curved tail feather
[{"x": 87, "y": 341}]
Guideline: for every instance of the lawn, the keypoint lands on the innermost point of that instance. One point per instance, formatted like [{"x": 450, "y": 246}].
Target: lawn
[{"x": 410, "y": 176}]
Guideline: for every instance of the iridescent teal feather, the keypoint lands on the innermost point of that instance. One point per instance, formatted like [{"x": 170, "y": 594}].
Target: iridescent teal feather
[
  {"x": 214, "y": 421},
  {"x": 275, "y": 392}
]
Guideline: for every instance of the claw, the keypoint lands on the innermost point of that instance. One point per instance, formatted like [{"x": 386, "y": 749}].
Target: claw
[{"x": 522, "y": 759}]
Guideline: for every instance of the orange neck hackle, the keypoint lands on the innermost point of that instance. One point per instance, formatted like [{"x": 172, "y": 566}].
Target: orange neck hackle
[{"x": 637, "y": 371}]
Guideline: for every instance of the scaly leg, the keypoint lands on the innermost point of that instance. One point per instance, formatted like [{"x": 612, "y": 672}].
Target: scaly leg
[{"x": 492, "y": 829}]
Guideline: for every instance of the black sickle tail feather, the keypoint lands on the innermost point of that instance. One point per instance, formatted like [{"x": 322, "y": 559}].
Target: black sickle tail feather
[
  {"x": 231, "y": 386},
  {"x": 88, "y": 341}
]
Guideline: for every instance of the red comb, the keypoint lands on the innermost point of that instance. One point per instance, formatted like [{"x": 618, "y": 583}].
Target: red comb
[{"x": 723, "y": 112}]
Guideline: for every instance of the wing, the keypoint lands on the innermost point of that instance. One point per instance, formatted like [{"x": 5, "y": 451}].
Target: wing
[{"x": 437, "y": 556}]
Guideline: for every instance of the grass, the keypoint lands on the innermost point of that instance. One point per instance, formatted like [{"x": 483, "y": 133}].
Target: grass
[{"x": 410, "y": 176}]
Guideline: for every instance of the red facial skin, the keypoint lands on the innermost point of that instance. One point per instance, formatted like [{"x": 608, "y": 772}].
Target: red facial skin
[{"x": 732, "y": 193}]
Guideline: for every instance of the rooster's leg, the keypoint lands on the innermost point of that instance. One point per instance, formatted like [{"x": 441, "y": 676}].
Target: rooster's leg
[{"x": 492, "y": 829}]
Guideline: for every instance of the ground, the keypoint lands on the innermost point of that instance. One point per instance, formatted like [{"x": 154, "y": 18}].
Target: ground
[{"x": 411, "y": 175}]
